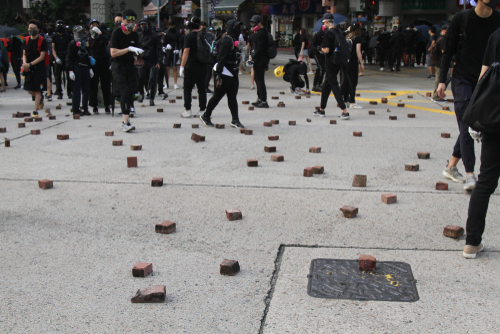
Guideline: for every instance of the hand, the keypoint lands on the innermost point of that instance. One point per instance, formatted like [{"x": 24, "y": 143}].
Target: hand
[
  {"x": 26, "y": 66},
  {"x": 72, "y": 75},
  {"x": 362, "y": 66},
  {"x": 218, "y": 81},
  {"x": 441, "y": 89},
  {"x": 475, "y": 135},
  {"x": 176, "y": 51},
  {"x": 91, "y": 73},
  {"x": 96, "y": 30},
  {"x": 169, "y": 47},
  {"x": 58, "y": 61},
  {"x": 157, "y": 65},
  {"x": 164, "y": 49},
  {"x": 135, "y": 50},
  {"x": 181, "y": 72}
]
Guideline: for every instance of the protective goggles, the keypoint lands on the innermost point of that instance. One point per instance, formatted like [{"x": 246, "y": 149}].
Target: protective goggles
[
  {"x": 329, "y": 21},
  {"x": 130, "y": 18}
]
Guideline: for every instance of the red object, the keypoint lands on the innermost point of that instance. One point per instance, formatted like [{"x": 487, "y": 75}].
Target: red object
[
  {"x": 131, "y": 162},
  {"x": 45, "y": 184},
  {"x": 142, "y": 269},
  {"x": 308, "y": 172},
  {"x": 389, "y": 198},
  {"x": 234, "y": 214},
  {"x": 165, "y": 227},
  {"x": 277, "y": 157},
  {"x": 453, "y": 231},
  {"x": 367, "y": 262},
  {"x": 39, "y": 47},
  {"x": 314, "y": 149}
]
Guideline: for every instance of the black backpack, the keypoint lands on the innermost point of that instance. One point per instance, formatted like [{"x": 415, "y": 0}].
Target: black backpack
[
  {"x": 271, "y": 47},
  {"x": 436, "y": 53},
  {"x": 202, "y": 48},
  {"x": 483, "y": 112},
  {"x": 342, "y": 51}
]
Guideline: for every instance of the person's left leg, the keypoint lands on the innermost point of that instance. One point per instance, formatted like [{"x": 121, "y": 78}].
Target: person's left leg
[
  {"x": 85, "y": 73},
  {"x": 232, "y": 93},
  {"x": 202, "y": 92},
  {"x": 77, "y": 89}
]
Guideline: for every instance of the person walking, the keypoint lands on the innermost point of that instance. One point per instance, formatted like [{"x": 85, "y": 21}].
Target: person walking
[
  {"x": 171, "y": 49},
  {"x": 436, "y": 56},
  {"x": 398, "y": 44},
  {"x": 355, "y": 60},
  {"x": 149, "y": 41},
  {"x": 260, "y": 60},
  {"x": 319, "y": 57},
  {"x": 411, "y": 36},
  {"x": 78, "y": 61},
  {"x": 60, "y": 43},
  {"x": 430, "y": 44},
  {"x": 15, "y": 47},
  {"x": 304, "y": 48},
  {"x": 384, "y": 44},
  {"x": 296, "y": 43}
]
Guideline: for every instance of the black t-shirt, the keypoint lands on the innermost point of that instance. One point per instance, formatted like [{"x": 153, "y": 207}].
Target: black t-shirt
[
  {"x": 121, "y": 41},
  {"x": 304, "y": 40},
  {"x": 492, "y": 53},
  {"x": 329, "y": 42},
  {"x": 354, "y": 56},
  {"x": 429, "y": 42},
  {"x": 32, "y": 49},
  {"x": 61, "y": 43},
  {"x": 191, "y": 43},
  {"x": 440, "y": 45},
  {"x": 384, "y": 40}
]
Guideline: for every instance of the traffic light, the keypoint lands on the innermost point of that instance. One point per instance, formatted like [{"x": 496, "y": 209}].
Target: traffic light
[
  {"x": 371, "y": 7},
  {"x": 173, "y": 7}
]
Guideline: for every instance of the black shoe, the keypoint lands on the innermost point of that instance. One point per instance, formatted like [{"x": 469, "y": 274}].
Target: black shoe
[
  {"x": 151, "y": 103},
  {"x": 107, "y": 111},
  {"x": 18, "y": 86},
  {"x": 165, "y": 97},
  {"x": 86, "y": 113},
  {"x": 70, "y": 96},
  {"x": 140, "y": 99},
  {"x": 262, "y": 105},
  {"x": 96, "y": 111},
  {"x": 147, "y": 97},
  {"x": 316, "y": 89},
  {"x": 59, "y": 97},
  {"x": 209, "y": 91},
  {"x": 256, "y": 102},
  {"x": 206, "y": 121},
  {"x": 237, "y": 124},
  {"x": 319, "y": 113},
  {"x": 345, "y": 116}
]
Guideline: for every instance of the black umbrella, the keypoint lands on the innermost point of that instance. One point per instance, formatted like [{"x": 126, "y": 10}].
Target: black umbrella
[
  {"x": 6, "y": 32},
  {"x": 419, "y": 22}
]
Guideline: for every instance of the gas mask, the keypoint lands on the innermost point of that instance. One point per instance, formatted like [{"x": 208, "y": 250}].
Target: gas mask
[
  {"x": 78, "y": 36},
  {"x": 492, "y": 4},
  {"x": 118, "y": 24},
  {"x": 256, "y": 28},
  {"x": 33, "y": 32},
  {"x": 60, "y": 29},
  {"x": 144, "y": 27},
  {"x": 128, "y": 27}
]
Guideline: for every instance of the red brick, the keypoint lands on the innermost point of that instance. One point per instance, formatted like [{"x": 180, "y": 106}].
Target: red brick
[
  {"x": 359, "y": 181},
  {"x": 58, "y": 107},
  {"x": 68, "y": 103},
  {"x": 157, "y": 182},
  {"x": 373, "y": 103},
  {"x": 136, "y": 147},
  {"x": 441, "y": 186},
  {"x": 349, "y": 211},
  {"x": 357, "y": 134},
  {"x": 292, "y": 122},
  {"x": 76, "y": 116},
  {"x": 252, "y": 163},
  {"x": 269, "y": 149},
  {"x": 155, "y": 294},
  {"x": 297, "y": 97},
  {"x": 388, "y": 110},
  {"x": 171, "y": 101},
  {"x": 268, "y": 124},
  {"x": 394, "y": 93},
  {"x": 177, "y": 126},
  {"x": 245, "y": 102},
  {"x": 393, "y": 118},
  {"x": 308, "y": 172},
  {"x": 401, "y": 105},
  {"x": 428, "y": 94},
  {"x": 220, "y": 126},
  {"x": 52, "y": 117},
  {"x": 7, "y": 142},
  {"x": 109, "y": 133},
  {"x": 251, "y": 108},
  {"x": 28, "y": 119},
  {"x": 453, "y": 231},
  {"x": 38, "y": 119},
  {"x": 389, "y": 198},
  {"x": 229, "y": 267},
  {"x": 446, "y": 108},
  {"x": 195, "y": 97},
  {"x": 47, "y": 111},
  {"x": 275, "y": 121},
  {"x": 282, "y": 93},
  {"x": 308, "y": 120},
  {"x": 197, "y": 138},
  {"x": 234, "y": 214},
  {"x": 35, "y": 132},
  {"x": 3, "y": 130},
  {"x": 118, "y": 142},
  {"x": 195, "y": 126},
  {"x": 26, "y": 114},
  {"x": 423, "y": 155},
  {"x": 142, "y": 269},
  {"x": 277, "y": 158},
  {"x": 165, "y": 227},
  {"x": 412, "y": 167},
  {"x": 411, "y": 115},
  {"x": 371, "y": 112},
  {"x": 45, "y": 184},
  {"x": 315, "y": 149},
  {"x": 275, "y": 97},
  {"x": 159, "y": 110},
  {"x": 131, "y": 162},
  {"x": 318, "y": 169},
  {"x": 242, "y": 131},
  {"x": 248, "y": 132},
  {"x": 445, "y": 135},
  {"x": 449, "y": 100},
  {"x": 281, "y": 105},
  {"x": 358, "y": 95},
  {"x": 308, "y": 96},
  {"x": 367, "y": 262},
  {"x": 21, "y": 125},
  {"x": 274, "y": 138},
  {"x": 62, "y": 137},
  {"x": 179, "y": 97},
  {"x": 383, "y": 100},
  {"x": 333, "y": 121}
]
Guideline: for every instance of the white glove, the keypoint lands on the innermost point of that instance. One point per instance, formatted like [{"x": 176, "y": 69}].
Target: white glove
[
  {"x": 475, "y": 135},
  {"x": 72, "y": 75},
  {"x": 97, "y": 30},
  {"x": 110, "y": 67},
  {"x": 58, "y": 60},
  {"x": 181, "y": 73},
  {"x": 176, "y": 52},
  {"x": 137, "y": 51},
  {"x": 164, "y": 49},
  {"x": 91, "y": 73},
  {"x": 169, "y": 47}
]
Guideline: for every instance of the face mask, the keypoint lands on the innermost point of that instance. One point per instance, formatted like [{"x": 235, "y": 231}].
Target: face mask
[
  {"x": 255, "y": 29},
  {"x": 118, "y": 24},
  {"x": 144, "y": 28},
  {"x": 131, "y": 26},
  {"x": 33, "y": 32},
  {"x": 492, "y": 4},
  {"x": 323, "y": 27}
]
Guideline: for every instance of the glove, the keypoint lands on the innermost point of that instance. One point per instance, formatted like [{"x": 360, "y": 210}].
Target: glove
[
  {"x": 164, "y": 49},
  {"x": 135, "y": 50},
  {"x": 169, "y": 47},
  {"x": 176, "y": 52},
  {"x": 181, "y": 73},
  {"x": 475, "y": 135},
  {"x": 72, "y": 75},
  {"x": 91, "y": 73},
  {"x": 110, "y": 67},
  {"x": 96, "y": 30},
  {"x": 218, "y": 81},
  {"x": 58, "y": 60}
]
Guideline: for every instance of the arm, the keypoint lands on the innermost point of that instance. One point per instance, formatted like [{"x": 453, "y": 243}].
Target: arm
[
  {"x": 54, "y": 50},
  {"x": 302, "y": 47},
  {"x": 118, "y": 52},
  {"x": 360, "y": 56},
  {"x": 185, "y": 55},
  {"x": 24, "y": 61},
  {"x": 483, "y": 70},
  {"x": 223, "y": 54}
]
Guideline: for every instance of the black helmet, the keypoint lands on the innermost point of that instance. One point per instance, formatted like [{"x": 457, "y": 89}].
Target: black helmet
[{"x": 92, "y": 21}]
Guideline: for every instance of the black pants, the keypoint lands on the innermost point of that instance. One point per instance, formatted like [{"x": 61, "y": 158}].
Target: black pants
[
  {"x": 397, "y": 54},
  {"x": 16, "y": 63},
  {"x": 320, "y": 69},
  {"x": 464, "y": 147},
  {"x": 385, "y": 55},
  {"x": 209, "y": 73},
  {"x": 296, "y": 53},
  {"x": 230, "y": 86},
  {"x": 81, "y": 88},
  {"x": 102, "y": 73},
  {"x": 192, "y": 77},
  {"x": 153, "y": 76},
  {"x": 486, "y": 184},
  {"x": 58, "y": 73},
  {"x": 349, "y": 82},
  {"x": 296, "y": 81},
  {"x": 420, "y": 52},
  {"x": 331, "y": 85},
  {"x": 125, "y": 82},
  {"x": 259, "y": 69},
  {"x": 144, "y": 75}
]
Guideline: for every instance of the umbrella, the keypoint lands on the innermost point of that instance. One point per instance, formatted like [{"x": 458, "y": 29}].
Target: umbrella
[
  {"x": 373, "y": 42},
  {"x": 6, "y": 32},
  {"x": 419, "y": 22},
  {"x": 360, "y": 19},
  {"x": 337, "y": 18},
  {"x": 423, "y": 30}
]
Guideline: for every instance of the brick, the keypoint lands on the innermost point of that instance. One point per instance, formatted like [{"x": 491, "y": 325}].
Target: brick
[
  {"x": 297, "y": 97},
  {"x": 308, "y": 96},
  {"x": 242, "y": 131},
  {"x": 453, "y": 231},
  {"x": 7, "y": 142},
  {"x": 317, "y": 108},
  {"x": 197, "y": 138},
  {"x": 411, "y": 115},
  {"x": 315, "y": 149},
  {"x": 58, "y": 107},
  {"x": 47, "y": 111},
  {"x": 388, "y": 110},
  {"x": 270, "y": 149},
  {"x": 349, "y": 211},
  {"x": 282, "y": 93},
  {"x": 157, "y": 182},
  {"x": 35, "y": 132},
  {"x": 410, "y": 96},
  {"x": 220, "y": 126},
  {"x": 308, "y": 172},
  {"x": 373, "y": 103},
  {"x": 401, "y": 105},
  {"x": 277, "y": 158},
  {"x": 446, "y": 108},
  {"x": 248, "y": 132},
  {"x": 165, "y": 227},
  {"x": 38, "y": 119},
  {"x": 423, "y": 155},
  {"x": 428, "y": 94},
  {"x": 195, "y": 97},
  {"x": 76, "y": 116},
  {"x": 281, "y": 105},
  {"x": 252, "y": 163},
  {"x": 63, "y": 137},
  {"x": 109, "y": 133},
  {"x": 412, "y": 167},
  {"x": 3, "y": 130},
  {"x": 357, "y": 134},
  {"x": 52, "y": 117},
  {"x": 251, "y": 108},
  {"x": 234, "y": 214},
  {"x": 275, "y": 121},
  {"x": 359, "y": 181},
  {"x": 308, "y": 120},
  {"x": 273, "y": 138},
  {"x": 26, "y": 114},
  {"x": 383, "y": 100},
  {"x": 333, "y": 121},
  {"x": 292, "y": 122},
  {"x": 159, "y": 110},
  {"x": 45, "y": 184},
  {"x": 268, "y": 124},
  {"x": 131, "y": 162},
  {"x": 14, "y": 115},
  {"x": 69, "y": 103},
  {"x": 171, "y": 101},
  {"x": 245, "y": 102},
  {"x": 143, "y": 105},
  {"x": 389, "y": 198},
  {"x": 445, "y": 135},
  {"x": 155, "y": 294},
  {"x": 367, "y": 262},
  {"x": 28, "y": 119},
  {"x": 371, "y": 112},
  {"x": 358, "y": 95},
  {"x": 441, "y": 186},
  {"x": 179, "y": 97},
  {"x": 195, "y": 126},
  {"x": 449, "y": 100},
  {"x": 118, "y": 142},
  {"x": 142, "y": 269},
  {"x": 136, "y": 147},
  {"x": 275, "y": 97},
  {"x": 229, "y": 267},
  {"x": 21, "y": 125},
  {"x": 318, "y": 169},
  {"x": 394, "y": 93},
  {"x": 177, "y": 125},
  {"x": 393, "y": 118}
]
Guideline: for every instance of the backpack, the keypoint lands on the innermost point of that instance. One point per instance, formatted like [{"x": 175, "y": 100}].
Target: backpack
[
  {"x": 436, "y": 54},
  {"x": 483, "y": 112},
  {"x": 39, "y": 48},
  {"x": 350, "y": 43},
  {"x": 342, "y": 51},
  {"x": 214, "y": 46},
  {"x": 271, "y": 47},
  {"x": 202, "y": 48}
]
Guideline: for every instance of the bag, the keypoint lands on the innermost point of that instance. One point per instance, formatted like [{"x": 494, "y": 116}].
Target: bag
[
  {"x": 279, "y": 72},
  {"x": 351, "y": 49},
  {"x": 436, "y": 54},
  {"x": 271, "y": 47},
  {"x": 202, "y": 48},
  {"x": 342, "y": 51},
  {"x": 39, "y": 49},
  {"x": 483, "y": 112}
]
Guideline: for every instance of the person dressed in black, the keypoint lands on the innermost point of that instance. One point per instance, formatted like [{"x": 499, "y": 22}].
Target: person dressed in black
[
  {"x": 98, "y": 45},
  {"x": 124, "y": 47},
  {"x": 150, "y": 42},
  {"x": 384, "y": 45},
  {"x": 411, "y": 35},
  {"x": 332, "y": 70},
  {"x": 320, "y": 59},
  {"x": 35, "y": 79},
  {"x": 397, "y": 44},
  {"x": 355, "y": 59},
  {"x": 293, "y": 70},
  {"x": 209, "y": 38},
  {"x": 226, "y": 74},
  {"x": 78, "y": 62},
  {"x": 297, "y": 44},
  {"x": 60, "y": 43},
  {"x": 171, "y": 47},
  {"x": 260, "y": 60},
  {"x": 195, "y": 70},
  {"x": 15, "y": 47}
]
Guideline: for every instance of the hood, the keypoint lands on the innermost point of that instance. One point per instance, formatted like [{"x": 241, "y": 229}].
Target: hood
[{"x": 149, "y": 26}]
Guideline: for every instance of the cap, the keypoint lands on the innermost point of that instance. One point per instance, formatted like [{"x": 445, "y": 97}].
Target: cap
[
  {"x": 94, "y": 21},
  {"x": 445, "y": 27},
  {"x": 256, "y": 19},
  {"x": 77, "y": 29},
  {"x": 129, "y": 12},
  {"x": 355, "y": 25},
  {"x": 328, "y": 17}
]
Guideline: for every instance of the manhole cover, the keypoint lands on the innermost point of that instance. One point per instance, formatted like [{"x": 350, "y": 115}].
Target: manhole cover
[{"x": 342, "y": 279}]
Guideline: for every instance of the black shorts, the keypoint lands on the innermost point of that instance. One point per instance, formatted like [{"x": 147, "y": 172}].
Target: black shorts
[
  {"x": 171, "y": 58},
  {"x": 35, "y": 80},
  {"x": 410, "y": 50}
]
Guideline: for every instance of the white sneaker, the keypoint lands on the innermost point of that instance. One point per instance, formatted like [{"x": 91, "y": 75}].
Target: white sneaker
[
  {"x": 201, "y": 112},
  {"x": 127, "y": 127},
  {"x": 381, "y": 68},
  {"x": 187, "y": 114},
  {"x": 165, "y": 87},
  {"x": 453, "y": 174},
  {"x": 240, "y": 73},
  {"x": 470, "y": 183},
  {"x": 310, "y": 72},
  {"x": 252, "y": 87},
  {"x": 176, "y": 87},
  {"x": 355, "y": 106},
  {"x": 132, "y": 112}
]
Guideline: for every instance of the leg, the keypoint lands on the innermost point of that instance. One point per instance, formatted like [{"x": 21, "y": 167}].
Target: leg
[
  {"x": 105, "y": 75},
  {"x": 333, "y": 85},
  {"x": 16, "y": 67},
  {"x": 175, "y": 74},
  {"x": 436, "y": 83},
  {"x": 202, "y": 92},
  {"x": 189, "y": 82},
  {"x": 2, "y": 80},
  {"x": 152, "y": 83},
  {"x": 167, "y": 75},
  {"x": 252, "y": 76},
  {"x": 77, "y": 88},
  {"x": 58, "y": 69},
  {"x": 38, "y": 98},
  {"x": 260, "y": 70},
  {"x": 217, "y": 96},
  {"x": 94, "y": 87},
  {"x": 85, "y": 88},
  {"x": 232, "y": 92}
]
